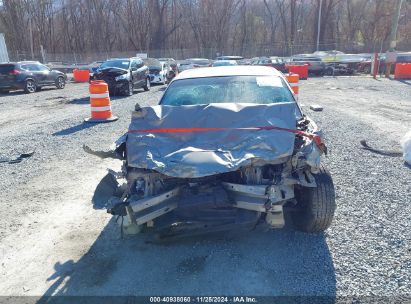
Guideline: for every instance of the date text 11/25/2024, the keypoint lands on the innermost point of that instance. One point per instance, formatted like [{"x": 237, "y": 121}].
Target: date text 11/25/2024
[{"x": 203, "y": 299}]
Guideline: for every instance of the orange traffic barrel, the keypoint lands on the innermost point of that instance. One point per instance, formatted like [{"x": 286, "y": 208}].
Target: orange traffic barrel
[
  {"x": 402, "y": 71},
  {"x": 100, "y": 103},
  {"x": 300, "y": 69},
  {"x": 81, "y": 75},
  {"x": 293, "y": 81}
]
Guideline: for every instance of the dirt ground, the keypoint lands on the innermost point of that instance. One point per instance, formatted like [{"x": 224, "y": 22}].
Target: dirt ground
[{"x": 52, "y": 241}]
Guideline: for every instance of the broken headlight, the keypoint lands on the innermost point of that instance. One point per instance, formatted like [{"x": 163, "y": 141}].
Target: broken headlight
[{"x": 123, "y": 77}]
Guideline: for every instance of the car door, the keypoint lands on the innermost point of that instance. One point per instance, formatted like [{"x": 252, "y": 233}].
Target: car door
[
  {"x": 166, "y": 68},
  {"x": 50, "y": 75},
  {"x": 134, "y": 72},
  {"x": 34, "y": 73},
  {"x": 42, "y": 73},
  {"x": 141, "y": 70}
]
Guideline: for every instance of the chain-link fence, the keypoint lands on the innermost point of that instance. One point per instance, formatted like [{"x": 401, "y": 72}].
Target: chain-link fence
[{"x": 247, "y": 51}]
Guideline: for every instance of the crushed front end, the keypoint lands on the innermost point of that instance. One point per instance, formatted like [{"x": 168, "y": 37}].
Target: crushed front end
[{"x": 207, "y": 168}]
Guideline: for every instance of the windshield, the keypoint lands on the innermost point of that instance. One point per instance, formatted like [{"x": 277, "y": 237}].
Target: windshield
[
  {"x": 227, "y": 89},
  {"x": 122, "y": 64}
]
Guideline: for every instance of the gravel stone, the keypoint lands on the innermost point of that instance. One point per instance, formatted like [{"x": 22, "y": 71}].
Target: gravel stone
[{"x": 53, "y": 242}]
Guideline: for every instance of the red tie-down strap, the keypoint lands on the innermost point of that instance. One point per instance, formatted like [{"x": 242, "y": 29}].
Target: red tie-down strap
[{"x": 314, "y": 137}]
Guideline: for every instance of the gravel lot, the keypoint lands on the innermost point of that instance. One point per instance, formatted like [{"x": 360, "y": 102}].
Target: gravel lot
[{"x": 52, "y": 242}]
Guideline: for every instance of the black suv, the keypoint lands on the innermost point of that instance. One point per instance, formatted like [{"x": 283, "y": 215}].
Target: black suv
[
  {"x": 123, "y": 75},
  {"x": 29, "y": 76}
]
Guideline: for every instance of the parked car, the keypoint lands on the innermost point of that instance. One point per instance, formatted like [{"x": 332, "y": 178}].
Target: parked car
[
  {"x": 315, "y": 65},
  {"x": 275, "y": 62},
  {"x": 158, "y": 70},
  {"x": 124, "y": 75},
  {"x": 166, "y": 59},
  {"x": 29, "y": 76},
  {"x": 173, "y": 67},
  {"x": 92, "y": 67},
  {"x": 195, "y": 164},
  {"x": 183, "y": 65},
  {"x": 365, "y": 66},
  {"x": 224, "y": 63},
  {"x": 338, "y": 68},
  {"x": 199, "y": 62},
  {"x": 328, "y": 56},
  {"x": 245, "y": 61},
  {"x": 236, "y": 58}
]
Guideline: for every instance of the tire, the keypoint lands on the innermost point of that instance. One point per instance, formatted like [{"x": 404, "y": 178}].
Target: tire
[
  {"x": 315, "y": 206},
  {"x": 147, "y": 85},
  {"x": 329, "y": 72},
  {"x": 4, "y": 91},
  {"x": 367, "y": 70},
  {"x": 30, "y": 86},
  {"x": 130, "y": 89},
  {"x": 60, "y": 82}
]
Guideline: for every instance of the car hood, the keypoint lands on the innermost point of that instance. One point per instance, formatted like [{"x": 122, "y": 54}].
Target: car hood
[
  {"x": 180, "y": 141},
  {"x": 111, "y": 71},
  {"x": 154, "y": 71}
]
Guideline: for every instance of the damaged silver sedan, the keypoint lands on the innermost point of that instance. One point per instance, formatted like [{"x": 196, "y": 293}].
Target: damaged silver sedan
[{"x": 226, "y": 148}]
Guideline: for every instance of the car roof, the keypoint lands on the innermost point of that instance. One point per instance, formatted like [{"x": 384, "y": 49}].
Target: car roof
[
  {"x": 229, "y": 57},
  {"x": 19, "y": 62},
  {"x": 124, "y": 58},
  {"x": 228, "y": 71},
  {"x": 193, "y": 59}
]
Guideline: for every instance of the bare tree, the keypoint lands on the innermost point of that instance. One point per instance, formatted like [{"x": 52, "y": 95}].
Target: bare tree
[{"x": 87, "y": 29}]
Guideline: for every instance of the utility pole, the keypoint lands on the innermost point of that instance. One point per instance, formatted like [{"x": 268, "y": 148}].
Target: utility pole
[
  {"x": 394, "y": 25},
  {"x": 31, "y": 38},
  {"x": 319, "y": 25}
]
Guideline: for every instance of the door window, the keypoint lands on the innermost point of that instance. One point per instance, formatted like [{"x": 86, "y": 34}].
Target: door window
[
  {"x": 25, "y": 67},
  {"x": 42, "y": 68},
  {"x": 134, "y": 65},
  {"x": 33, "y": 67},
  {"x": 139, "y": 62}
]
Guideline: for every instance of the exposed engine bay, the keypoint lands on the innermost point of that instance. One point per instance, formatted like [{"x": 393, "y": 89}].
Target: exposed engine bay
[{"x": 240, "y": 189}]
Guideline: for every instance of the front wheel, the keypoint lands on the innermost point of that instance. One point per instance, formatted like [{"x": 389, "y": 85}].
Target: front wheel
[
  {"x": 315, "y": 206},
  {"x": 147, "y": 85},
  {"x": 129, "y": 89},
  {"x": 60, "y": 82},
  {"x": 329, "y": 72},
  {"x": 30, "y": 86}
]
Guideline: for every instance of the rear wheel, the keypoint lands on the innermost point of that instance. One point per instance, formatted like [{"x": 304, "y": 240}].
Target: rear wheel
[
  {"x": 60, "y": 82},
  {"x": 315, "y": 206},
  {"x": 30, "y": 86},
  {"x": 4, "y": 91},
  {"x": 367, "y": 69},
  {"x": 147, "y": 85}
]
